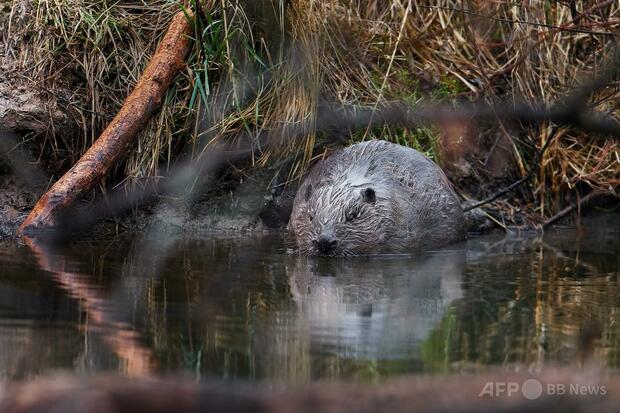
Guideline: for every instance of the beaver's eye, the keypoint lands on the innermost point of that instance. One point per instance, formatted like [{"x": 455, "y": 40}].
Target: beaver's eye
[
  {"x": 311, "y": 217},
  {"x": 369, "y": 196}
]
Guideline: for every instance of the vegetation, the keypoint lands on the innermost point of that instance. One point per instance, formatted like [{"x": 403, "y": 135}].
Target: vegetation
[{"x": 260, "y": 66}]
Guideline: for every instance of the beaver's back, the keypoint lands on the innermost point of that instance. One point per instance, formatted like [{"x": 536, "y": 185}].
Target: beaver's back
[{"x": 431, "y": 209}]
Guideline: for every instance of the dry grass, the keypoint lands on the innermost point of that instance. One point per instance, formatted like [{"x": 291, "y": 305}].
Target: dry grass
[
  {"x": 266, "y": 65},
  {"x": 376, "y": 50},
  {"x": 88, "y": 55}
]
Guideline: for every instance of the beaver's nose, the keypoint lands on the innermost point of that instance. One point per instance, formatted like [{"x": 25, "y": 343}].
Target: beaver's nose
[{"x": 325, "y": 243}]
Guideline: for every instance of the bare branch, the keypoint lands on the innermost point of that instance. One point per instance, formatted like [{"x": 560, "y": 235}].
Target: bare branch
[{"x": 520, "y": 22}]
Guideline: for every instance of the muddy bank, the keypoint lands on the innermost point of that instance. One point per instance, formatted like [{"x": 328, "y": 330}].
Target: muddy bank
[
  {"x": 241, "y": 204},
  {"x": 246, "y": 209},
  {"x": 15, "y": 203},
  {"x": 26, "y": 105},
  {"x": 21, "y": 183}
]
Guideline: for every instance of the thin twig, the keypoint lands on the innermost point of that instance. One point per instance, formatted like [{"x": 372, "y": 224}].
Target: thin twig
[
  {"x": 509, "y": 21},
  {"x": 535, "y": 165},
  {"x": 581, "y": 202}
]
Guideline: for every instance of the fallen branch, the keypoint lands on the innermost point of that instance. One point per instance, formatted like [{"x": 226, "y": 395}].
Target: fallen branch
[
  {"x": 112, "y": 145},
  {"x": 581, "y": 202}
]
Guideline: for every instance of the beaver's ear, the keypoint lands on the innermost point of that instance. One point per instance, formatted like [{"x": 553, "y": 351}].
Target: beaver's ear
[
  {"x": 368, "y": 194},
  {"x": 308, "y": 193}
]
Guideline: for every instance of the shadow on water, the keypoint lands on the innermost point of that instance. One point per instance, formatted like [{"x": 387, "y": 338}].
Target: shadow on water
[{"x": 242, "y": 308}]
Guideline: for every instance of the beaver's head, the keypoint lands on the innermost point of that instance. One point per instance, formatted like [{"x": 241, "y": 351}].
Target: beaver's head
[{"x": 342, "y": 216}]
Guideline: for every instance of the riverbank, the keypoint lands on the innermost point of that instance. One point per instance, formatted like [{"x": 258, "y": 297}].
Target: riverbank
[{"x": 67, "y": 69}]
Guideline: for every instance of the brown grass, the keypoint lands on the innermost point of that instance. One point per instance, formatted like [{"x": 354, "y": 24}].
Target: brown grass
[{"x": 265, "y": 65}]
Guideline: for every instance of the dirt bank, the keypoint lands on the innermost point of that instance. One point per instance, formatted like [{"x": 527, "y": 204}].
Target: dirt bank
[{"x": 64, "y": 74}]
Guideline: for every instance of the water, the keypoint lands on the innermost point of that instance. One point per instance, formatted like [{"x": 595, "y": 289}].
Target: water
[{"x": 241, "y": 307}]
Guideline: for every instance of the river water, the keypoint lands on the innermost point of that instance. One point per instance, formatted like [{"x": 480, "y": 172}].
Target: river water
[{"x": 242, "y": 307}]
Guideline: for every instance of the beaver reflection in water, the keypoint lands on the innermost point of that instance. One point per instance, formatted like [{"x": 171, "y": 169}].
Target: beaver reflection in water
[{"x": 375, "y": 197}]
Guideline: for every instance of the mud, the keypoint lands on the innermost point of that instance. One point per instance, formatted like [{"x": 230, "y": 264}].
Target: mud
[
  {"x": 14, "y": 205},
  {"x": 24, "y": 104}
]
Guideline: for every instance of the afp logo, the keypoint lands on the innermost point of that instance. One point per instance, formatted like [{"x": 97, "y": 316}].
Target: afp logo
[{"x": 530, "y": 389}]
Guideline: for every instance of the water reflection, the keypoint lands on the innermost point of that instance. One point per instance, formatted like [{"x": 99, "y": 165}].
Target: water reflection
[
  {"x": 348, "y": 318},
  {"x": 241, "y": 307},
  {"x": 374, "y": 308},
  {"x": 102, "y": 315}
]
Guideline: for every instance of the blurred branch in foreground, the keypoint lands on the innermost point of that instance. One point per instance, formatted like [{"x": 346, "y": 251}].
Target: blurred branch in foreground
[{"x": 585, "y": 391}]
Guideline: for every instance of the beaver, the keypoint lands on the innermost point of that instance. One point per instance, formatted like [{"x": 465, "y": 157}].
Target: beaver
[{"x": 375, "y": 197}]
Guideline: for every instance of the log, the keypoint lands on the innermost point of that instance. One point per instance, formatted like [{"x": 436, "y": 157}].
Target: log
[{"x": 113, "y": 143}]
